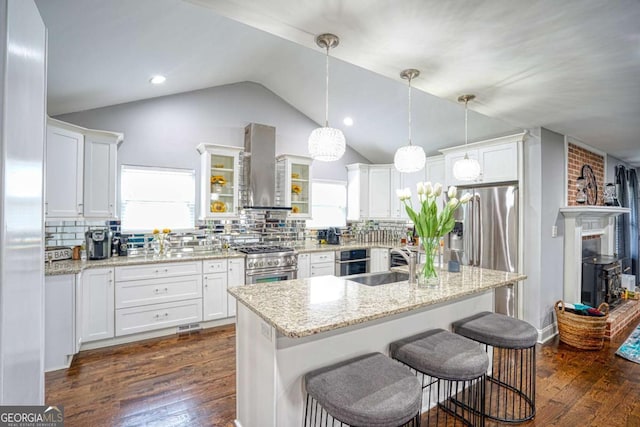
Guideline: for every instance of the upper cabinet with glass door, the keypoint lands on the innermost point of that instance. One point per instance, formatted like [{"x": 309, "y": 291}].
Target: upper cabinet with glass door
[
  {"x": 219, "y": 188},
  {"x": 293, "y": 184}
]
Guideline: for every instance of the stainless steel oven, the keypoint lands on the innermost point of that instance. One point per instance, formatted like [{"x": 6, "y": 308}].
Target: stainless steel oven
[
  {"x": 354, "y": 261},
  {"x": 270, "y": 275},
  {"x": 266, "y": 264}
]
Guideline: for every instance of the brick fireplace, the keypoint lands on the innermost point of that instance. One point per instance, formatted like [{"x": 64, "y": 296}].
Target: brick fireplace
[{"x": 576, "y": 158}]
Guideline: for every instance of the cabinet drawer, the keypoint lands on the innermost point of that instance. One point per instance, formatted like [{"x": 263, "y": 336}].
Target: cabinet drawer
[
  {"x": 157, "y": 316},
  {"x": 214, "y": 266},
  {"x": 325, "y": 269},
  {"x": 151, "y": 271},
  {"x": 144, "y": 292},
  {"x": 318, "y": 257}
]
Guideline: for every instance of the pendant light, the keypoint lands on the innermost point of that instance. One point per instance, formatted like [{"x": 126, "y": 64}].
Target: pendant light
[
  {"x": 466, "y": 169},
  {"x": 325, "y": 143},
  {"x": 409, "y": 158}
]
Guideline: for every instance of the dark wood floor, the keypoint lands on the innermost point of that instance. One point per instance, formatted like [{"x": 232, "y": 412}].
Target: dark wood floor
[{"x": 190, "y": 381}]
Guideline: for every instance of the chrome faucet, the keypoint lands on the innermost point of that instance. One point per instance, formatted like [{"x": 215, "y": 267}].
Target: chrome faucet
[{"x": 411, "y": 259}]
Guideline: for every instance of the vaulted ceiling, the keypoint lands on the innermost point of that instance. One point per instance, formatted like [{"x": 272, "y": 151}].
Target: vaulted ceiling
[{"x": 572, "y": 67}]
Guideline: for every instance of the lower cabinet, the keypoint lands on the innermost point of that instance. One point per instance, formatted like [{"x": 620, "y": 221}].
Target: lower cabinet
[
  {"x": 157, "y": 316},
  {"x": 235, "y": 277},
  {"x": 322, "y": 264},
  {"x": 214, "y": 296},
  {"x": 96, "y": 304},
  {"x": 304, "y": 266},
  {"x": 59, "y": 324},
  {"x": 379, "y": 260},
  {"x": 149, "y": 297}
]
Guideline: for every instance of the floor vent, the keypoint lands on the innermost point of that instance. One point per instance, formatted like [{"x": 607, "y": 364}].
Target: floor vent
[{"x": 189, "y": 328}]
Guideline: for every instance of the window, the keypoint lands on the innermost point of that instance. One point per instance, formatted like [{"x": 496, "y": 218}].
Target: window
[
  {"x": 153, "y": 197},
  {"x": 329, "y": 204}
]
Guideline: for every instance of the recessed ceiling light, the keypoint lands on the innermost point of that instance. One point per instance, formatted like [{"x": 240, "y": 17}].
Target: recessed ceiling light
[
  {"x": 348, "y": 121},
  {"x": 156, "y": 80}
]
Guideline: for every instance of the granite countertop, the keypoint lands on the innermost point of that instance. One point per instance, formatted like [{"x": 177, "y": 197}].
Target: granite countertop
[
  {"x": 309, "y": 247},
  {"x": 303, "y": 307},
  {"x": 74, "y": 267}
]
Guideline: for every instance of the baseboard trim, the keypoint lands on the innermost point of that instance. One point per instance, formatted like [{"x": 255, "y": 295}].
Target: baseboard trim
[{"x": 548, "y": 332}]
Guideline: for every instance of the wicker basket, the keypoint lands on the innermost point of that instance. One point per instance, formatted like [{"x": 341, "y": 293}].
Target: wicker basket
[{"x": 583, "y": 332}]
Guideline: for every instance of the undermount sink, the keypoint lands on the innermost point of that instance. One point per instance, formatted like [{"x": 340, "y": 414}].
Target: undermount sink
[{"x": 375, "y": 279}]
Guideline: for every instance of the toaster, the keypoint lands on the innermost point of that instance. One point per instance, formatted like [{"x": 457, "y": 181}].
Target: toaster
[{"x": 98, "y": 243}]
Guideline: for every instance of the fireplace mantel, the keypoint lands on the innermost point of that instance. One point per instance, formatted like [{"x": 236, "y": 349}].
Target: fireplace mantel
[
  {"x": 581, "y": 221},
  {"x": 593, "y": 211}
]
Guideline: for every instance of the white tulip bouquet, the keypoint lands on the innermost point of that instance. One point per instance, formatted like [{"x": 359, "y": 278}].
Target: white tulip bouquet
[{"x": 431, "y": 225}]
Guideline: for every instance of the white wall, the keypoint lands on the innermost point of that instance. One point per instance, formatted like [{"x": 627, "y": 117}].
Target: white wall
[
  {"x": 165, "y": 131},
  {"x": 543, "y": 197},
  {"x": 22, "y": 118}
]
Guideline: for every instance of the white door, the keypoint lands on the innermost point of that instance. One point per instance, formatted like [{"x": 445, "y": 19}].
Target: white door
[
  {"x": 98, "y": 304},
  {"x": 235, "y": 277},
  {"x": 304, "y": 266},
  {"x": 499, "y": 162},
  {"x": 64, "y": 179},
  {"x": 379, "y": 260},
  {"x": 380, "y": 191},
  {"x": 214, "y": 295},
  {"x": 410, "y": 181},
  {"x": 99, "y": 178},
  {"x": 435, "y": 173},
  {"x": 59, "y": 327}
]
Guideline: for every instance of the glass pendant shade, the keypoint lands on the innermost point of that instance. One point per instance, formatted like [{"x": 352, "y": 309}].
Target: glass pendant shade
[
  {"x": 466, "y": 169},
  {"x": 326, "y": 144},
  {"x": 409, "y": 159}
]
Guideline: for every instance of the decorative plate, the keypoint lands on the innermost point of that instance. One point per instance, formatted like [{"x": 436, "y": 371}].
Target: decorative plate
[
  {"x": 218, "y": 207},
  {"x": 591, "y": 184}
]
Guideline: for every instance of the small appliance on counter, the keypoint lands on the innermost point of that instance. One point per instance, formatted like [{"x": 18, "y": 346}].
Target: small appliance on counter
[
  {"x": 333, "y": 236},
  {"x": 98, "y": 243}
]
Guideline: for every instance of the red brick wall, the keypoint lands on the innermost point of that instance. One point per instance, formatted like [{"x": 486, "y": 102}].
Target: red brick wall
[{"x": 576, "y": 158}]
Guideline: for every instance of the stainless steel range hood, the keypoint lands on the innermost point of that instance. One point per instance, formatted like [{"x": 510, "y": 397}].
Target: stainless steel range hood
[{"x": 260, "y": 167}]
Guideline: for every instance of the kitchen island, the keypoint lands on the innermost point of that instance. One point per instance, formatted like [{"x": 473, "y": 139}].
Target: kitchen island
[{"x": 286, "y": 329}]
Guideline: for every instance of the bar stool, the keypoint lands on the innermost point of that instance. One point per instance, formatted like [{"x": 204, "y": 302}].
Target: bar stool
[
  {"x": 454, "y": 366},
  {"x": 370, "y": 390},
  {"x": 511, "y": 394}
]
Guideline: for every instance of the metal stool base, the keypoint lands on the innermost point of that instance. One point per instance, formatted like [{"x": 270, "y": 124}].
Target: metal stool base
[
  {"x": 463, "y": 404},
  {"x": 316, "y": 416},
  {"x": 511, "y": 387}
]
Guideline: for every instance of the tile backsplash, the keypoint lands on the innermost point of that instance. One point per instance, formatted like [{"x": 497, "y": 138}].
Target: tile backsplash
[{"x": 254, "y": 226}]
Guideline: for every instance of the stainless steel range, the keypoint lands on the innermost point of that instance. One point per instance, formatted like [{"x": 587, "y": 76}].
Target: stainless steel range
[{"x": 266, "y": 264}]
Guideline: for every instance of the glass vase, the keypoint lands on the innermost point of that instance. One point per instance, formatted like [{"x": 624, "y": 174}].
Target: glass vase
[{"x": 429, "y": 275}]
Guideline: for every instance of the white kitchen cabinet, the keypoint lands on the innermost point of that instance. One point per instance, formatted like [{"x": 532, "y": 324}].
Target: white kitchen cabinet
[
  {"x": 397, "y": 210},
  {"x": 304, "y": 266},
  {"x": 97, "y": 304},
  {"x": 235, "y": 277},
  {"x": 81, "y": 171},
  {"x": 293, "y": 184},
  {"x": 157, "y": 316},
  {"x": 357, "y": 191},
  {"x": 156, "y": 296},
  {"x": 214, "y": 295},
  {"x": 59, "y": 324},
  {"x": 64, "y": 172},
  {"x": 379, "y": 191},
  {"x": 100, "y": 171},
  {"x": 498, "y": 160},
  {"x": 220, "y": 178},
  {"x": 322, "y": 263},
  {"x": 379, "y": 260}
]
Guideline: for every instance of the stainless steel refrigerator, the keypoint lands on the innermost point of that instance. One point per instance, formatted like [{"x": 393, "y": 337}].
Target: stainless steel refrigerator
[{"x": 486, "y": 235}]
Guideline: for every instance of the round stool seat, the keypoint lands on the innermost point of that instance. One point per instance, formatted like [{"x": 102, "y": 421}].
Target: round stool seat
[
  {"x": 497, "y": 330},
  {"x": 442, "y": 354},
  {"x": 370, "y": 390}
]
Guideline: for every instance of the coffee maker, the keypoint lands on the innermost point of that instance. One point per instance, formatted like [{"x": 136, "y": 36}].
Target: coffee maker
[{"x": 98, "y": 243}]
